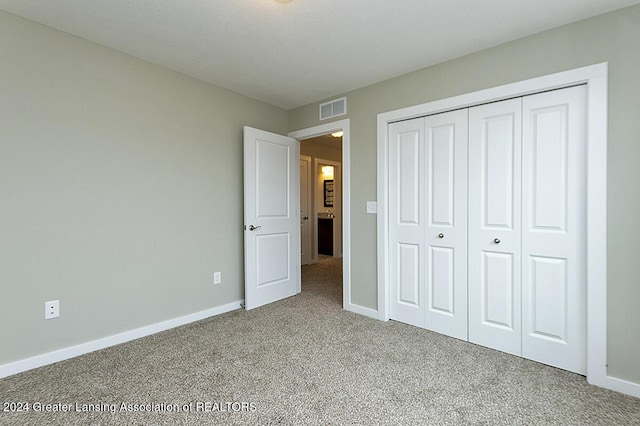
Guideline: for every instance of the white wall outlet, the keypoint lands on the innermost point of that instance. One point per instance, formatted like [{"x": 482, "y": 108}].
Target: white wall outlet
[
  {"x": 51, "y": 309},
  {"x": 372, "y": 207},
  {"x": 217, "y": 277}
]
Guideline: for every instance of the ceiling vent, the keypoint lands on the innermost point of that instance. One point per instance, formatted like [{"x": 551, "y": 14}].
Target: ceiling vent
[{"x": 333, "y": 108}]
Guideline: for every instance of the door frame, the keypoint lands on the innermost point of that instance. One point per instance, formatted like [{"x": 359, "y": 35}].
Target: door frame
[
  {"x": 311, "y": 207},
  {"x": 595, "y": 77},
  {"x": 324, "y": 129}
]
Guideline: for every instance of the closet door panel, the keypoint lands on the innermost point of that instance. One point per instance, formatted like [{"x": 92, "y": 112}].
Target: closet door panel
[
  {"x": 497, "y": 290},
  {"x": 495, "y": 143},
  {"x": 554, "y": 228},
  {"x": 407, "y": 219},
  {"x": 441, "y": 281},
  {"x": 408, "y": 276},
  {"x": 446, "y": 231}
]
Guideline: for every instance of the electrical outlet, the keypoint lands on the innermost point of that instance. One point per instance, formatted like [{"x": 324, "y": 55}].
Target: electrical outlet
[
  {"x": 217, "y": 277},
  {"x": 52, "y": 309}
]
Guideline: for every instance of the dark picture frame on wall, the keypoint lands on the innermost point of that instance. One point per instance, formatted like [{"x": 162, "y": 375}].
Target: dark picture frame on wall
[{"x": 328, "y": 193}]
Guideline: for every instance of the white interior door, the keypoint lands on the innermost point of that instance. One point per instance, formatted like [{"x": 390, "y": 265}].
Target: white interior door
[
  {"x": 407, "y": 222},
  {"x": 554, "y": 228},
  {"x": 272, "y": 224},
  {"x": 305, "y": 210},
  {"x": 446, "y": 229},
  {"x": 495, "y": 143}
]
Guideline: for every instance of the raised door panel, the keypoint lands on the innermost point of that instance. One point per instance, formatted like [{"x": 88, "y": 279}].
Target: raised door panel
[
  {"x": 446, "y": 231},
  {"x": 273, "y": 258},
  {"x": 407, "y": 222},
  {"x": 273, "y": 174},
  {"x": 497, "y": 289},
  {"x": 495, "y": 225},
  {"x": 547, "y": 163},
  {"x": 554, "y": 228},
  {"x": 441, "y": 166},
  {"x": 408, "y": 183},
  {"x": 547, "y": 309},
  {"x": 497, "y": 170},
  {"x": 441, "y": 281},
  {"x": 408, "y": 275}
]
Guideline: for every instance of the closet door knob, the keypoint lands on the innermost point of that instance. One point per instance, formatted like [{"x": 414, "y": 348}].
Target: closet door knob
[
  {"x": 441, "y": 235},
  {"x": 497, "y": 240}
]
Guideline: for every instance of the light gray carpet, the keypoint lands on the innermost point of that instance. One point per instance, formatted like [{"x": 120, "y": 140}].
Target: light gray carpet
[{"x": 305, "y": 361}]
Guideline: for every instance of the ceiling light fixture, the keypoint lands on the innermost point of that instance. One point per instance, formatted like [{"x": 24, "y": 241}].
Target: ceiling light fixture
[{"x": 337, "y": 134}]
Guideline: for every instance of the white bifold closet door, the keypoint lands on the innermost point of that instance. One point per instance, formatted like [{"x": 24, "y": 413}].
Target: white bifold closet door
[
  {"x": 495, "y": 225},
  {"x": 527, "y": 227},
  {"x": 554, "y": 228},
  {"x": 407, "y": 221},
  {"x": 428, "y": 222},
  {"x": 498, "y": 190}
]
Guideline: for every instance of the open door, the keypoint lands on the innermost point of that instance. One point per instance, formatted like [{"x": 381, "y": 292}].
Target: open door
[{"x": 271, "y": 217}]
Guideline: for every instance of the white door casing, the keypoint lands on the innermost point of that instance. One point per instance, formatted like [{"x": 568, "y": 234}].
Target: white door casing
[
  {"x": 306, "y": 218},
  {"x": 445, "y": 161},
  {"x": 554, "y": 228},
  {"x": 271, "y": 217},
  {"x": 495, "y": 142}
]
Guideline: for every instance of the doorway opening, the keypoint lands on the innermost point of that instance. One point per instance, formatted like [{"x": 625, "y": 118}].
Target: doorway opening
[
  {"x": 325, "y": 203},
  {"x": 321, "y": 214}
]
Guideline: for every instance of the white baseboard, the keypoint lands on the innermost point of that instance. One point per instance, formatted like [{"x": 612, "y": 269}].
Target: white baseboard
[
  {"x": 622, "y": 386},
  {"x": 94, "y": 345},
  {"x": 361, "y": 310}
]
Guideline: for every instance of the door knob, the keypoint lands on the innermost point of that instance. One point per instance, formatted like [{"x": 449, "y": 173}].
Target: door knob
[
  {"x": 497, "y": 240},
  {"x": 305, "y": 218},
  {"x": 441, "y": 235},
  {"x": 253, "y": 228}
]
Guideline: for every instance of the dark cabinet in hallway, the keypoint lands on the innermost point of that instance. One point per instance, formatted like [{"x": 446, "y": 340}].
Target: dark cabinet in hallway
[{"x": 325, "y": 236}]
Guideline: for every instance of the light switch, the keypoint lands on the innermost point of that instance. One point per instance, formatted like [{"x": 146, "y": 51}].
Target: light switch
[{"x": 372, "y": 207}]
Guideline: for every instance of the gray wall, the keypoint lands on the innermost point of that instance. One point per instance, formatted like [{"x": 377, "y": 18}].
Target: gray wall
[
  {"x": 614, "y": 38},
  {"x": 120, "y": 190}
]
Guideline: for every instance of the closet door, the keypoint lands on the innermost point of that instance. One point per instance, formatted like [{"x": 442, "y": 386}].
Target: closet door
[
  {"x": 554, "y": 228},
  {"x": 446, "y": 231},
  {"x": 407, "y": 222},
  {"x": 495, "y": 225}
]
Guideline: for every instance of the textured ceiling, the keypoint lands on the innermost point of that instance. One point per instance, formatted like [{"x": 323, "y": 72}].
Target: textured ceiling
[{"x": 306, "y": 50}]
